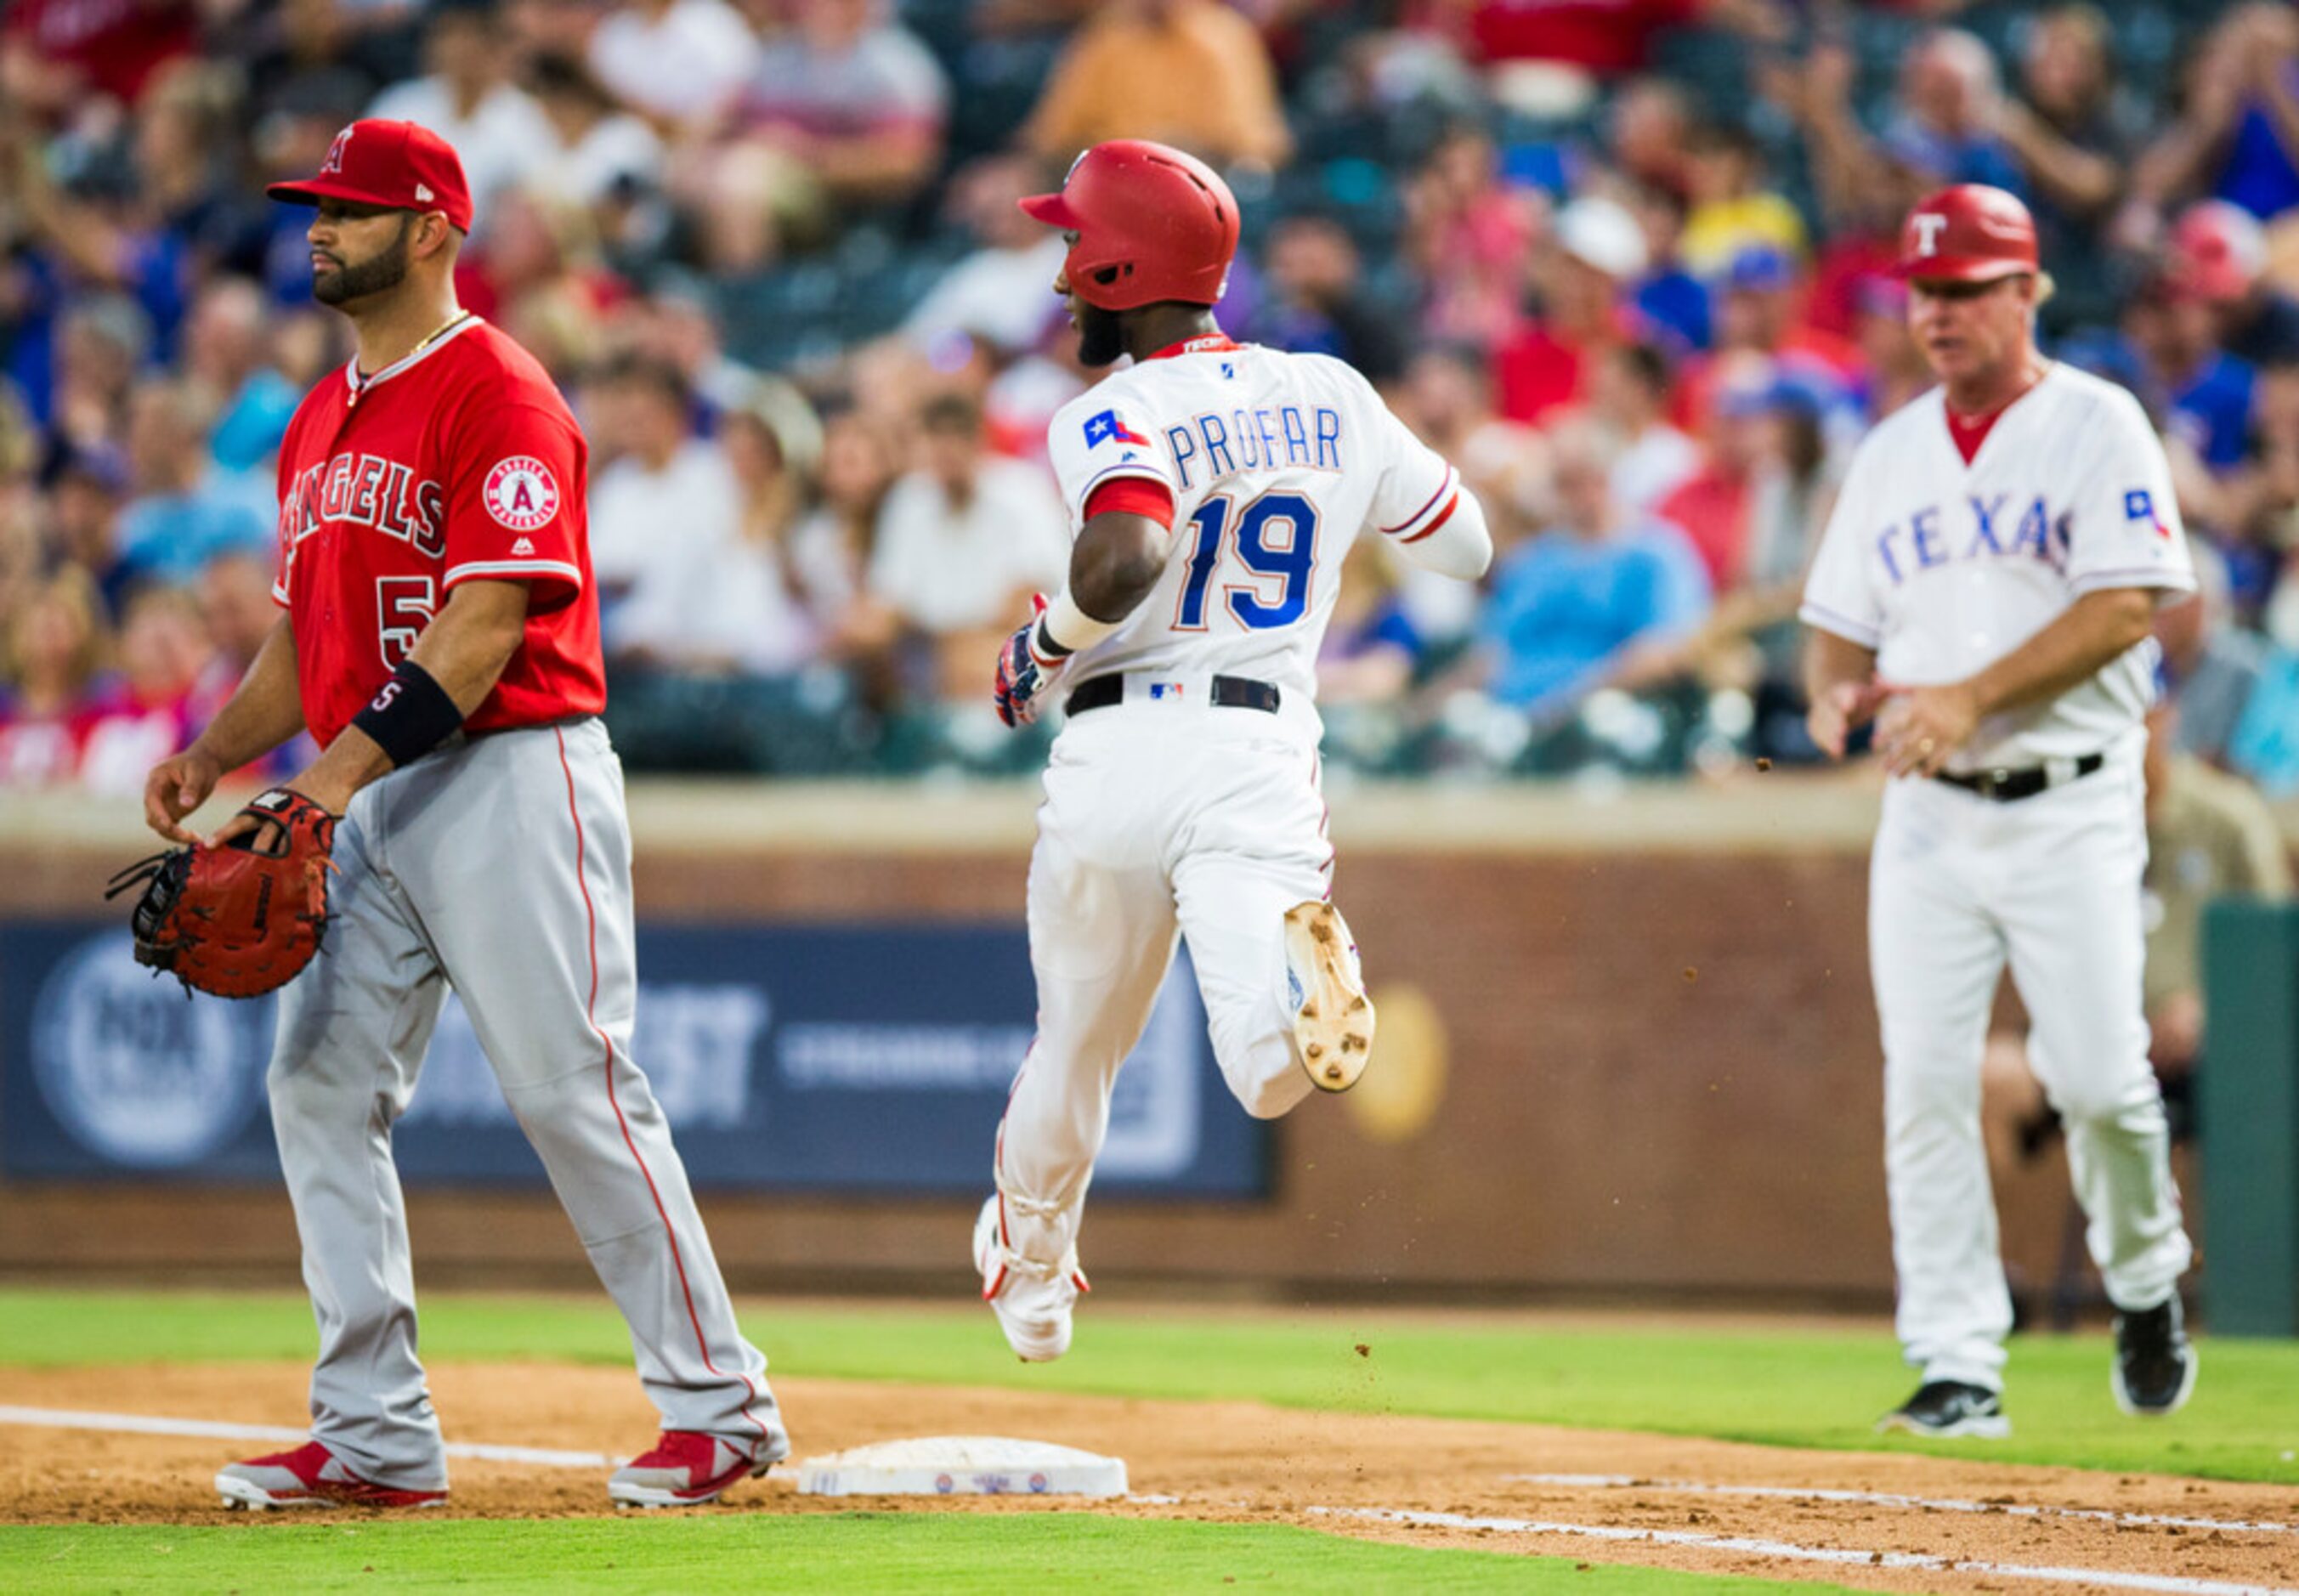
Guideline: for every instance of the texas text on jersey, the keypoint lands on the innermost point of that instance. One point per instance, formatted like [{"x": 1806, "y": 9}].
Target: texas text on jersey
[{"x": 1943, "y": 566}]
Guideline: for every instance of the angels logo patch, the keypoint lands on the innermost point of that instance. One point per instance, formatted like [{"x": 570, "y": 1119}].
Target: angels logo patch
[{"x": 522, "y": 494}]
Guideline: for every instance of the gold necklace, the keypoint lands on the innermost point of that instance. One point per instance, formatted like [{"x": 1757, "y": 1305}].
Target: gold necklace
[
  {"x": 436, "y": 332},
  {"x": 430, "y": 338}
]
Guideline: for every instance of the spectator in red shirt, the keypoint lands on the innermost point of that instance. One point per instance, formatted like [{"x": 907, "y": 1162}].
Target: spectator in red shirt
[
  {"x": 152, "y": 709},
  {"x": 56, "y": 52},
  {"x": 51, "y": 648},
  {"x": 1597, "y": 250},
  {"x": 1852, "y": 260},
  {"x": 2219, "y": 252},
  {"x": 1711, "y": 506},
  {"x": 1602, "y": 38},
  {"x": 1469, "y": 237}
]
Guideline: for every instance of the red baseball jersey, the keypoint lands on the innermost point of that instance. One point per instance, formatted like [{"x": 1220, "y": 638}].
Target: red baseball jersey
[{"x": 461, "y": 462}]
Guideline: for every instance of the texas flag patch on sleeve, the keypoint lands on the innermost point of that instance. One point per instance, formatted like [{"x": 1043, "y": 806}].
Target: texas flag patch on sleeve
[
  {"x": 2139, "y": 506},
  {"x": 1108, "y": 427}
]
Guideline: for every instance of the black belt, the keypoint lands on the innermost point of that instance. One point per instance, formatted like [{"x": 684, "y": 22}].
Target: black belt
[
  {"x": 2009, "y": 786},
  {"x": 1229, "y": 693}
]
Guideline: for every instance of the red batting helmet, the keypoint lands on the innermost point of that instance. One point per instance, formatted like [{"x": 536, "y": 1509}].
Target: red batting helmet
[
  {"x": 1152, "y": 223},
  {"x": 1970, "y": 233}
]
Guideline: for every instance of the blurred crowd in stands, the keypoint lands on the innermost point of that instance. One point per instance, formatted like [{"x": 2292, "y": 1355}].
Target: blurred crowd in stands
[{"x": 1624, "y": 260}]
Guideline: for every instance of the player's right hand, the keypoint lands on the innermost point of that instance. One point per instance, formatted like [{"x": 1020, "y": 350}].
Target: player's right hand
[
  {"x": 1836, "y": 713},
  {"x": 179, "y": 785}
]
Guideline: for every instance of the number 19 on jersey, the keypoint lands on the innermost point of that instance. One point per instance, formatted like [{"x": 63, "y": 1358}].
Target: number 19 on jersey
[{"x": 1275, "y": 537}]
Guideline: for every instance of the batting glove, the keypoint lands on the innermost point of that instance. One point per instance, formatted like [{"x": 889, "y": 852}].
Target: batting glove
[{"x": 1027, "y": 666}]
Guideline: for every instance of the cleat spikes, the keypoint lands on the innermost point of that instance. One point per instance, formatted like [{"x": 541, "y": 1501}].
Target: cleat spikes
[{"x": 1328, "y": 988}]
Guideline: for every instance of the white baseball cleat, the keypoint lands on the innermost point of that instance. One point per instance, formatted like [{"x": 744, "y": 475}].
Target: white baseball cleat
[
  {"x": 1032, "y": 1300},
  {"x": 1333, "y": 1019}
]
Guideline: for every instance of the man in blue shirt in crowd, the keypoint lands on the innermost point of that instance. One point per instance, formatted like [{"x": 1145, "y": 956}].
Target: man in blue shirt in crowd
[
  {"x": 1598, "y": 600},
  {"x": 186, "y": 510}
]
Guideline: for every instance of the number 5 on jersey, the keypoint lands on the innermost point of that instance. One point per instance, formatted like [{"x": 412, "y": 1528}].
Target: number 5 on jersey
[
  {"x": 1276, "y": 540},
  {"x": 403, "y": 607}
]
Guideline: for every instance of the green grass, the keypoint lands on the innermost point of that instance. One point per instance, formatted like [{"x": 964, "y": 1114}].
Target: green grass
[
  {"x": 1812, "y": 1388},
  {"x": 996, "y": 1554}
]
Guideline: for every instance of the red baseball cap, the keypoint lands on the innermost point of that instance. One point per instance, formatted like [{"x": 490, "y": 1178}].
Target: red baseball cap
[
  {"x": 2218, "y": 251},
  {"x": 1970, "y": 233},
  {"x": 403, "y": 165}
]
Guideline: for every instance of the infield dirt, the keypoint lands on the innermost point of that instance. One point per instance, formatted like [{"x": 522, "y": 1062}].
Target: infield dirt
[{"x": 1230, "y": 1462}]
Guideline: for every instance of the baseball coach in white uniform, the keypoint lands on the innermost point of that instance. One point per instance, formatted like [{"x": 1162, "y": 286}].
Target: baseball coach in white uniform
[{"x": 1985, "y": 592}]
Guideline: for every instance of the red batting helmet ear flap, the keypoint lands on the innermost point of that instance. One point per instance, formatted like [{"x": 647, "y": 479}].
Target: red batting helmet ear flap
[{"x": 1152, "y": 223}]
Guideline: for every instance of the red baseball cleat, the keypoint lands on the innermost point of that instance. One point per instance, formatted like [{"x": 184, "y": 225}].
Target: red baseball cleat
[
  {"x": 685, "y": 1469},
  {"x": 310, "y": 1476}
]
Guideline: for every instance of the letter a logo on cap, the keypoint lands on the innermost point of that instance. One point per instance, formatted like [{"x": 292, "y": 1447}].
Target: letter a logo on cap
[
  {"x": 334, "y": 160},
  {"x": 1929, "y": 225}
]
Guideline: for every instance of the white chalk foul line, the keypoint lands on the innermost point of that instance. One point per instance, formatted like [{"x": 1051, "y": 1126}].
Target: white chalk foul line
[
  {"x": 1790, "y": 1549},
  {"x": 1886, "y": 1498},
  {"x": 65, "y": 1418},
  {"x": 211, "y": 1429}
]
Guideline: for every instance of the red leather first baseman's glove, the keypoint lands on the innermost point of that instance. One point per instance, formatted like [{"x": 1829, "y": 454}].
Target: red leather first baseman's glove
[{"x": 244, "y": 918}]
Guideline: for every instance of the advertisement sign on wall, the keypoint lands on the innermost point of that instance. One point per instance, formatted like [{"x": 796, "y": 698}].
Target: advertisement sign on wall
[{"x": 851, "y": 1059}]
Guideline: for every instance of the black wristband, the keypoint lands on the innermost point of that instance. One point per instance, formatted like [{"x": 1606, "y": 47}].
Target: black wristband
[{"x": 410, "y": 716}]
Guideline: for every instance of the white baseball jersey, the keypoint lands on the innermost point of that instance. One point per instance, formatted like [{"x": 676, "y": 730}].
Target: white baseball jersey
[
  {"x": 1275, "y": 460},
  {"x": 1944, "y": 567}
]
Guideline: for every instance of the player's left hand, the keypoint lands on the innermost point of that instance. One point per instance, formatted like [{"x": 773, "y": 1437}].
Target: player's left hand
[
  {"x": 1922, "y": 727},
  {"x": 1025, "y": 672}
]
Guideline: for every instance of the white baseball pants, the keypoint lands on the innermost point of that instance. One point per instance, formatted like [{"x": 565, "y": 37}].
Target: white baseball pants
[
  {"x": 1161, "y": 820},
  {"x": 1958, "y": 886}
]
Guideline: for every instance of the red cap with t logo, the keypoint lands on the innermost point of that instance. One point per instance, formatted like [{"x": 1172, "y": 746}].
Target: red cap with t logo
[
  {"x": 1970, "y": 233},
  {"x": 403, "y": 165}
]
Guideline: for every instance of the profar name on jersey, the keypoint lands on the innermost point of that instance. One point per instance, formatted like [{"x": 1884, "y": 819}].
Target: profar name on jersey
[{"x": 1283, "y": 436}]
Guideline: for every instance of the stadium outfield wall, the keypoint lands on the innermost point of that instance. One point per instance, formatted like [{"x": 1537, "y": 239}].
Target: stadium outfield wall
[{"x": 1628, "y": 1050}]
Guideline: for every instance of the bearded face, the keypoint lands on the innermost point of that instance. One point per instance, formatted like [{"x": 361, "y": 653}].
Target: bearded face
[
  {"x": 340, "y": 275},
  {"x": 1100, "y": 340}
]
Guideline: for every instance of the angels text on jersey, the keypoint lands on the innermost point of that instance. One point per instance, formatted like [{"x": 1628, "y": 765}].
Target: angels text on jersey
[{"x": 366, "y": 490}]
